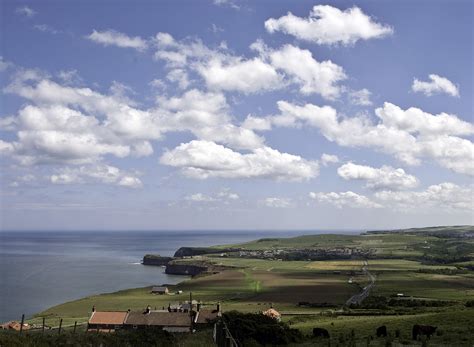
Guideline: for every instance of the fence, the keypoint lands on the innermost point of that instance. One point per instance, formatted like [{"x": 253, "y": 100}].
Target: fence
[{"x": 222, "y": 336}]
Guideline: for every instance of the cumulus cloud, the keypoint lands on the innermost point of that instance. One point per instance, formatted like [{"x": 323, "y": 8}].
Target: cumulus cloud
[
  {"x": 96, "y": 174},
  {"x": 344, "y": 199},
  {"x": 204, "y": 159},
  {"x": 277, "y": 202},
  {"x": 74, "y": 125},
  {"x": 312, "y": 76},
  {"x": 327, "y": 25},
  {"x": 436, "y": 85},
  {"x": 327, "y": 159},
  {"x": 26, "y": 11},
  {"x": 445, "y": 196},
  {"x": 385, "y": 177},
  {"x": 360, "y": 97},
  {"x": 271, "y": 69},
  {"x": 410, "y": 135},
  {"x": 115, "y": 38}
]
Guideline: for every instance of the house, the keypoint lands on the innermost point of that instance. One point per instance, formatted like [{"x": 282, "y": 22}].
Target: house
[
  {"x": 159, "y": 290},
  {"x": 272, "y": 313},
  {"x": 106, "y": 321},
  {"x": 14, "y": 325},
  {"x": 169, "y": 321},
  {"x": 206, "y": 317}
]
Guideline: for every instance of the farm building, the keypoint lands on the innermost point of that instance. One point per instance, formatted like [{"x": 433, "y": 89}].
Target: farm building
[
  {"x": 205, "y": 316},
  {"x": 106, "y": 321},
  {"x": 159, "y": 290},
  {"x": 14, "y": 325},
  {"x": 169, "y": 321},
  {"x": 272, "y": 313}
]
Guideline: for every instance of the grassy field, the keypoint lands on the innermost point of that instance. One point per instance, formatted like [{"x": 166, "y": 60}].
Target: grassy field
[{"x": 253, "y": 285}]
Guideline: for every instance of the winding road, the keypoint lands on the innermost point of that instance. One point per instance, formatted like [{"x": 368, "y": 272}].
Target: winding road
[{"x": 358, "y": 298}]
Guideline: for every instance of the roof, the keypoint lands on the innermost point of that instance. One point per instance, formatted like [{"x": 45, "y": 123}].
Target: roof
[
  {"x": 205, "y": 316},
  {"x": 174, "y": 319},
  {"x": 272, "y": 313},
  {"x": 108, "y": 317},
  {"x": 159, "y": 289}
]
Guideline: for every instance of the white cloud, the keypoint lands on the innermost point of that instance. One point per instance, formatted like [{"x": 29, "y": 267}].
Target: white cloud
[
  {"x": 414, "y": 120},
  {"x": 445, "y": 197},
  {"x": 409, "y": 135},
  {"x": 45, "y": 28},
  {"x": 313, "y": 77},
  {"x": 204, "y": 159},
  {"x": 271, "y": 69},
  {"x": 327, "y": 25},
  {"x": 225, "y": 196},
  {"x": 246, "y": 76},
  {"x": 4, "y": 64},
  {"x": 360, "y": 97},
  {"x": 115, "y": 38},
  {"x": 180, "y": 77},
  {"x": 227, "y": 3},
  {"x": 278, "y": 202},
  {"x": 385, "y": 177},
  {"x": 105, "y": 174},
  {"x": 344, "y": 199},
  {"x": 199, "y": 197},
  {"x": 78, "y": 125},
  {"x": 26, "y": 11},
  {"x": 327, "y": 159},
  {"x": 437, "y": 85}
]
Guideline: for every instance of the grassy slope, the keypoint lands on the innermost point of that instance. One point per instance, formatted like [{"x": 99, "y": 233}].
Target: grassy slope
[{"x": 255, "y": 284}]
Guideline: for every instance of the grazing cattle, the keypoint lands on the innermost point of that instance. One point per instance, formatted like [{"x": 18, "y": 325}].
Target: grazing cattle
[
  {"x": 427, "y": 330},
  {"x": 382, "y": 331},
  {"x": 320, "y": 332}
]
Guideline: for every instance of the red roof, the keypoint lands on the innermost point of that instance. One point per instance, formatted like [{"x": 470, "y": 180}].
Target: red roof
[{"x": 108, "y": 317}]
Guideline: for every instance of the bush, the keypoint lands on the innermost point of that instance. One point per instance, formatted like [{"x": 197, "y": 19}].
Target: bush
[{"x": 246, "y": 327}]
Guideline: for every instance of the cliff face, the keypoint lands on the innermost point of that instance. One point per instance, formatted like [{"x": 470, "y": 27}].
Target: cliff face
[
  {"x": 185, "y": 269},
  {"x": 191, "y": 251},
  {"x": 157, "y": 260}
]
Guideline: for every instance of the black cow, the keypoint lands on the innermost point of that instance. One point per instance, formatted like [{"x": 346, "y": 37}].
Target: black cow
[
  {"x": 320, "y": 332},
  {"x": 427, "y": 330},
  {"x": 382, "y": 331}
]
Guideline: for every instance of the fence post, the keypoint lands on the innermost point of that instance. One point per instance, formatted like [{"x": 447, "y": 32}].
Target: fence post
[
  {"x": 60, "y": 326},
  {"x": 75, "y": 325},
  {"x": 42, "y": 329},
  {"x": 22, "y": 322}
]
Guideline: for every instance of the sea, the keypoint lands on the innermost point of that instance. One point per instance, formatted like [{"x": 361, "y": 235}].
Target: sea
[{"x": 40, "y": 269}]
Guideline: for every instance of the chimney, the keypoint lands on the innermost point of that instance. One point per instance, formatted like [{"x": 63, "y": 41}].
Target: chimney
[
  {"x": 93, "y": 308},
  {"x": 148, "y": 310},
  {"x": 198, "y": 306},
  {"x": 218, "y": 307}
]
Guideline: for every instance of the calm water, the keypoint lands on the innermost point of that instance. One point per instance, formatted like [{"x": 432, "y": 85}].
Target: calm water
[{"x": 42, "y": 269}]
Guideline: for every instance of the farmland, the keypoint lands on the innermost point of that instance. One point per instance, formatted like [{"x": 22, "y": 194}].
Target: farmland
[{"x": 423, "y": 276}]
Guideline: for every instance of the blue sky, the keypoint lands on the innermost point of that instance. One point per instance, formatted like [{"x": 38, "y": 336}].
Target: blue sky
[{"x": 227, "y": 114}]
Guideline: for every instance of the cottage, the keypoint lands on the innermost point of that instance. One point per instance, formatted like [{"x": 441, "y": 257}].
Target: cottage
[
  {"x": 159, "y": 290},
  {"x": 272, "y": 313},
  {"x": 169, "y": 321},
  {"x": 14, "y": 325},
  {"x": 106, "y": 321}
]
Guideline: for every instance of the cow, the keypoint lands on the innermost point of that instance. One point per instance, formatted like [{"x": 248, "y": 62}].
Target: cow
[
  {"x": 382, "y": 331},
  {"x": 427, "y": 330},
  {"x": 320, "y": 332}
]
